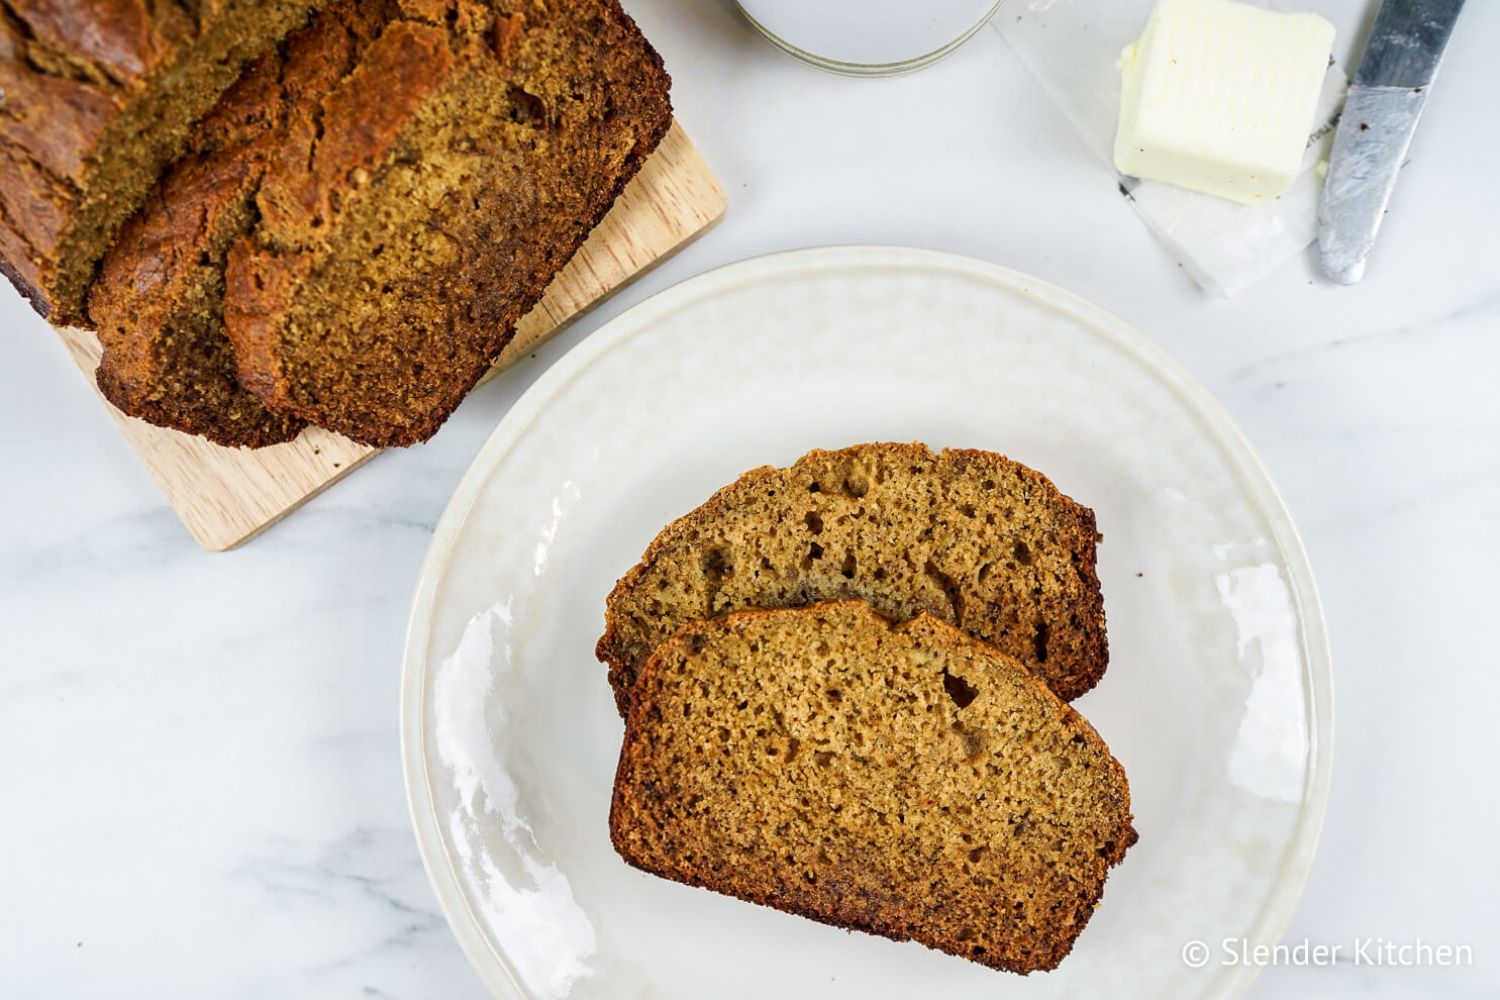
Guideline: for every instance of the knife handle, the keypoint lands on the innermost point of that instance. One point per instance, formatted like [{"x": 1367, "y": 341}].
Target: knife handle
[{"x": 1407, "y": 42}]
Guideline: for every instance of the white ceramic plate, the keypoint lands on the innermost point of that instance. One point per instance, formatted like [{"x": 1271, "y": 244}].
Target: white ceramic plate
[{"x": 1217, "y": 699}]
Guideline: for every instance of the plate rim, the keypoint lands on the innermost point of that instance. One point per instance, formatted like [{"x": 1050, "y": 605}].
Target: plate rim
[{"x": 1296, "y": 861}]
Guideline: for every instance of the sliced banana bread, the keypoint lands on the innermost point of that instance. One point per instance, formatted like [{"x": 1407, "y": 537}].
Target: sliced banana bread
[
  {"x": 424, "y": 205},
  {"x": 369, "y": 212},
  {"x": 904, "y": 780},
  {"x": 158, "y": 301},
  {"x": 969, "y": 536},
  {"x": 95, "y": 99}
]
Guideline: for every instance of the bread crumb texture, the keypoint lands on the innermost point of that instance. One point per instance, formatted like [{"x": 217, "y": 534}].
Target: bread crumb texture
[
  {"x": 969, "y": 537},
  {"x": 904, "y": 780}
]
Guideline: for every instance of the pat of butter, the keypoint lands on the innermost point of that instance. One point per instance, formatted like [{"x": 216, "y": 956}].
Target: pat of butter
[{"x": 1219, "y": 96}]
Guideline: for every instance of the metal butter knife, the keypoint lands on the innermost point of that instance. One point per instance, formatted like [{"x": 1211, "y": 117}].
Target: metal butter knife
[{"x": 1380, "y": 115}]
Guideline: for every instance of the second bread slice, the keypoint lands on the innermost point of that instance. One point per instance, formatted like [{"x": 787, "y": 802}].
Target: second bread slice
[{"x": 971, "y": 537}]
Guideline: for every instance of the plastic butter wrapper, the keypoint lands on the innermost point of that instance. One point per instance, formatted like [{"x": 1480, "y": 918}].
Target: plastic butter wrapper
[{"x": 1073, "y": 48}]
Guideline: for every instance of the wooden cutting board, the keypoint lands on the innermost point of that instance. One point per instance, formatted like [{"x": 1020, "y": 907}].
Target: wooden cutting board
[{"x": 224, "y": 496}]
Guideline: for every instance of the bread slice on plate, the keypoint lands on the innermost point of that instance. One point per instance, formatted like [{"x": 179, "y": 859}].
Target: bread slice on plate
[
  {"x": 970, "y": 537},
  {"x": 904, "y": 780}
]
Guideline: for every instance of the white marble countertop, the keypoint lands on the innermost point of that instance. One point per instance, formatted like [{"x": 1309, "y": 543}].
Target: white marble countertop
[{"x": 198, "y": 752}]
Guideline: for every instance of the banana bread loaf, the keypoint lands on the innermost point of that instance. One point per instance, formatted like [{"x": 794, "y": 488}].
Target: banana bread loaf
[
  {"x": 369, "y": 212},
  {"x": 401, "y": 238},
  {"x": 903, "y": 780},
  {"x": 95, "y": 99},
  {"x": 969, "y": 536},
  {"x": 158, "y": 300}
]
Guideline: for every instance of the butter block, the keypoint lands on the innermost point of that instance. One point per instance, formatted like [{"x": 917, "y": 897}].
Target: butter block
[{"x": 1219, "y": 96}]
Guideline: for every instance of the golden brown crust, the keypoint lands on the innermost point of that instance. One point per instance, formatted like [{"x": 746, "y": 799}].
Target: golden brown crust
[
  {"x": 982, "y": 607},
  {"x": 807, "y": 855}
]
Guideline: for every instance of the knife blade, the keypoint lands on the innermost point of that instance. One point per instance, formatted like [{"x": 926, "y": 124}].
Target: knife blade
[{"x": 1380, "y": 116}]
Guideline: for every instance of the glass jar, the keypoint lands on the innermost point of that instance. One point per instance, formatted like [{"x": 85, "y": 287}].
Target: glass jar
[{"x": 869, "y": 37}]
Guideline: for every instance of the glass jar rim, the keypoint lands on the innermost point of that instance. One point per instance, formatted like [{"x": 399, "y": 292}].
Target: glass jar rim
[{"x": 855, "y": 68}]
